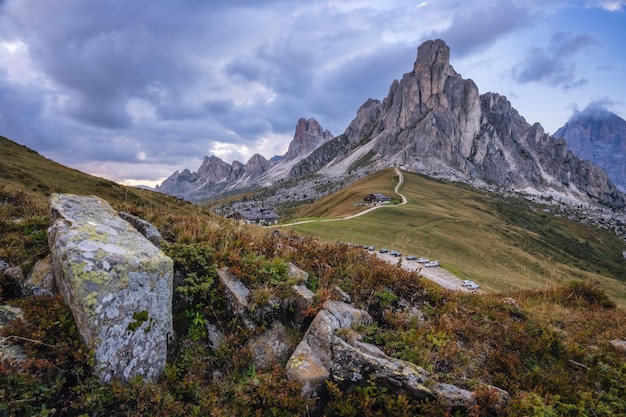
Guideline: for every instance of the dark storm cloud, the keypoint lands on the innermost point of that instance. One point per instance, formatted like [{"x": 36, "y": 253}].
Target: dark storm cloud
[
  {"x": 552, "y": 65},
  {"x": 163, "y": 82},
  {"x": 477, "y": 27}
]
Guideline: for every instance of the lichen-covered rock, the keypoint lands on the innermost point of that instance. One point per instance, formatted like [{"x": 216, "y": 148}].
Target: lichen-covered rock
[
  {"x": 117, "y": 284},
  {"x": 357, "y": 363},
  {"x": 297, "y": 274}
]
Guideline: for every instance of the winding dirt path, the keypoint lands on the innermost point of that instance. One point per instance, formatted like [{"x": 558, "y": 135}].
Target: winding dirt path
[
  {"x": 396, "y": 190},
  {"x": 436, "y": 274}
]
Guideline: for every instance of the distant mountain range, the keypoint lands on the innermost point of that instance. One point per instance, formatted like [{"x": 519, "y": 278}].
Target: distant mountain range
[
  {"x": 598, "y": 136},
  {"x": 432, "y": 122}
]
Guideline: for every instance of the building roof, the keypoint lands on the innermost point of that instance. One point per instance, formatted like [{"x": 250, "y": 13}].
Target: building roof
[{"x": 377, "y": 196}]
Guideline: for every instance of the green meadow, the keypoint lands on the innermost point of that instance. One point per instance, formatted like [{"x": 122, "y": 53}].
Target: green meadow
[{"x": 503, "y": 244}]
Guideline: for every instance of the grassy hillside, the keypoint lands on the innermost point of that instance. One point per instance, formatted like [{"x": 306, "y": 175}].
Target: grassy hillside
[
  {"x": 503, "y": 244},
  {"x": 550, "y": 349},
  {"x": 27, "y": 179}
]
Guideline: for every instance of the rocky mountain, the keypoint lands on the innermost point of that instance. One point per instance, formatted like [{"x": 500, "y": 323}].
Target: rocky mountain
[
  {"x": 436, "y": 123},
  {"x": 598, "y": 136},
  {"x": 216, "y": 176},
  {"x": 309, "y": 136}
]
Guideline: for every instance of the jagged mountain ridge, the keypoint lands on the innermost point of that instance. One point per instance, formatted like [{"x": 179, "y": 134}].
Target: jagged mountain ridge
[
  {"x": 598, "y": 136},
  {"x": 216, "y": 176},
  {"x": 436, "y": 123}
]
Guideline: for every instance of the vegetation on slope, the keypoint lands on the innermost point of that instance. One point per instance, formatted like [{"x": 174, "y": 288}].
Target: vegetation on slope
[
  {"x": 550, "y": 348},
  {"x": 503, "y": 243}
]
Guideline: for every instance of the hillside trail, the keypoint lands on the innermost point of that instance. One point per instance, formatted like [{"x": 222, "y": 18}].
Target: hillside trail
[
  {"x": 439, "y": 275},
  {"x": 396, "y": 190}
]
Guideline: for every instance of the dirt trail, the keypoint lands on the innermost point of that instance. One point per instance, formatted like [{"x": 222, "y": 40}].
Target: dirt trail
[
  {"x": 396, "y": 190},
  {"x": 436, "y": 274}
]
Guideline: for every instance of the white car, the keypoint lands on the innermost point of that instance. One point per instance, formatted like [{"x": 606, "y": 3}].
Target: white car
[
  {"x": 423, "y": 260},
  {"x": 470, "y": 285},
  {"x": 432, "y": 264}
]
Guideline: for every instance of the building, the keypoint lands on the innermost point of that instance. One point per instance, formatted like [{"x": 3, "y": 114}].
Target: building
[
  {"x": 255, "y": 216},
  {"x": 377, "y": 198}
]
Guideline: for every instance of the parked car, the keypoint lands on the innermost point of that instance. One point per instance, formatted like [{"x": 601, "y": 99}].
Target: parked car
[
  {"x": 395, "y": 253},
  {"x": 470, "y": 285},
  {"x": 383, "y": 250},
  {"x": 423, "y": 260},
  {"x": 371, "y": 247},
  {"x": 411, "y": 258},
  {"x": 432, "y": 264}
]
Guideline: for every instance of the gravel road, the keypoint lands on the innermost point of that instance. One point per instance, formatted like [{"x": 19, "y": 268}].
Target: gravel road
[{"x": 435, "y": 274}]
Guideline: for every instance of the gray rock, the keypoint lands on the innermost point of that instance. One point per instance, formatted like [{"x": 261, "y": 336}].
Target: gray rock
[
  {"x": 41, "y": 280},
  {"x": 303, "y": 299},
  {"x": 215, "y": 335},
  {"x": 8, "y": 349},
  {"x": 117, "y": 284},
  {"x": 619, "y": 344},
  {"x": 358, "y": 363},
  {"x": 145, "y": 228},
  {"x": 308, "y": 137},
  {"x": 272, "y": 346},
  {"x": 15, "y": 276},
  {"x": 236, "y": 292},
  {"x": 296, "y": 273},
  {"x": 311, "y": 361},
  {"x": 454, "y": 397}
]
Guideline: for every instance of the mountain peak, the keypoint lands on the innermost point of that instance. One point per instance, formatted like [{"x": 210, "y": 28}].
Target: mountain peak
[
  {"x": 432, "y": 52},
  {"x": 309, "y": 136},
  {"x": 594, "y": 111}
]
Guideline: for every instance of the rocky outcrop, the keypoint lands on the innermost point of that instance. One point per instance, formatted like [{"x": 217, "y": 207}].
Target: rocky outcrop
[
  {"x": 436, "y": 123},
  {"x": 145, "y": 228},
  {"x": 311, "y": 362},
  {"x": 598, "y": 136},
  {"x": 117, "y": 284},
  {"x": 216, "y": 176},
  {"x": 331, "y": 350},
  {"x": 308, "y": 137}
]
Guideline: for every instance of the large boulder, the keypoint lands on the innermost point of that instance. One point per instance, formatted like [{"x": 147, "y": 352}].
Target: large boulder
[{"x": 117, "y": 284}]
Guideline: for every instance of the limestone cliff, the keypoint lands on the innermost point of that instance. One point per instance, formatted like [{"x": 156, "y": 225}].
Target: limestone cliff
[{"x": 436, "y": 123}]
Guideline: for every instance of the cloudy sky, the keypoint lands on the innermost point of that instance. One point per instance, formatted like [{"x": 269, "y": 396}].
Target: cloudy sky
[{"x": 135, "y": 90}]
